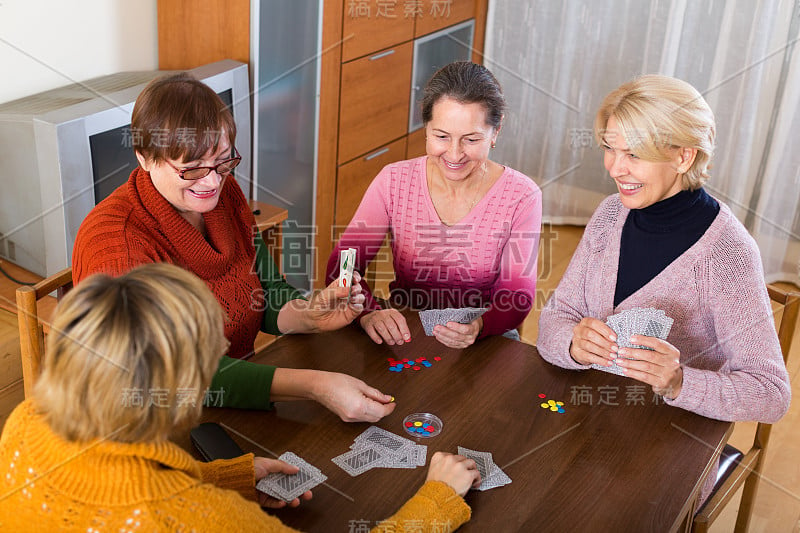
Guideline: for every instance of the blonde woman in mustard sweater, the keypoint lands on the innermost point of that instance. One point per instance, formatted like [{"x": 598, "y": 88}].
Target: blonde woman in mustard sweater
[{"x": 76, "y": 457}]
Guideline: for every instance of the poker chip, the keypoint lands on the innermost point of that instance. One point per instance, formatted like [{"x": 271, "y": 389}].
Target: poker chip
[
  {"x": 551, "y": 405},
  {"x": 422, "y": 425},
  {"x": 398, "y": 365}
]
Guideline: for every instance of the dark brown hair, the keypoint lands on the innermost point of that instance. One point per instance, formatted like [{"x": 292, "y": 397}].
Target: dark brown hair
[
  {"x": 180, "y": 118},
  {"x": 466, "y": 83}
]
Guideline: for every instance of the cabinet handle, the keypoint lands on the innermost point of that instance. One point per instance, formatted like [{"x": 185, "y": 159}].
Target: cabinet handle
[
  {"x": 375, "y": 154},
  {"x": 382, "y": 54}
]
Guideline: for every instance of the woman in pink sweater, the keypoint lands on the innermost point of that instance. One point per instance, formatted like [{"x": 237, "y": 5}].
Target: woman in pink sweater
[
  {"x": 663, "y": 242},
  {"x": 464, "y": 230}
]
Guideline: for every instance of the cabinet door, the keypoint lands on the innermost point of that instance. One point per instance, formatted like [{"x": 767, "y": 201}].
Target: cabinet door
[
  {"x": 355, "y": 177},
  {"x": 416, "y": 144},
  {"x": 443, "y": 14},
  {"x": 374, "y": 101},
  {"x": 370, "y": 26}
]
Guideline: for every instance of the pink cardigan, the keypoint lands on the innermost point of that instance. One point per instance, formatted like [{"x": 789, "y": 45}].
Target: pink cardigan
[
  {"x": 488, "y": 258},
  {"x": 732, "y": 364}
]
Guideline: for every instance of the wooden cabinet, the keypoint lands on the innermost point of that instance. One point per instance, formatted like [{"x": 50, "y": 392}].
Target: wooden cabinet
[
  {"x": 374, "y": 100},
  {"x": 365, "y": 97},
  {"x": 354, "y": 178}
]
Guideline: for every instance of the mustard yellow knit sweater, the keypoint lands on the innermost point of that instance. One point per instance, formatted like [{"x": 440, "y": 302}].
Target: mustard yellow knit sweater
[{"x": 49, "y": 484}]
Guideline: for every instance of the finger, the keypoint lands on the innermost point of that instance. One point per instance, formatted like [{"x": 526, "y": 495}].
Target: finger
[
  {"x": 391, "y": 323},
  {"x": 402, "y": 326},
  {"x": 369, "y": 328},
  {"x": 270, "y": 502},
  {"x": 375, "y": 411},
  {"x": 357, "y": 279},
  {"x": 286, "y": 468},
  {"x": 374, "y": 394},
  {"x": 382, "y": 329}
]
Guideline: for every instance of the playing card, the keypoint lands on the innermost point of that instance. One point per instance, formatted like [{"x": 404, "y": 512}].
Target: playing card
[
  {"x": 384, "y": 438},
  {"x": 347, "y": 263},
  {"x": 464, "y": 315},
  {"x": 359, "y": 460},
  {"x": 497, "y": 479},
  {"x": 482, "y": 459},
  {"x": 491, "y": 474},
  {"x": 287, "y": 487},
  {"x": 648, "y": 321},
  {"x": 401, "y": 452}
]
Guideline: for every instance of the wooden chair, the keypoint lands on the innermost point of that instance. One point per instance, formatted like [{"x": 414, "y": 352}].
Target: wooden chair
[
  {"x": 31, "y": 331},
  {"x": 745, "y": 468}
]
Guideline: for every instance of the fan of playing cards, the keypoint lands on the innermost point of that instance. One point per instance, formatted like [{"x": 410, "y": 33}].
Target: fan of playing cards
[
  {"x": 648, "y": 321},
  {"x": 464, "y": 315}
]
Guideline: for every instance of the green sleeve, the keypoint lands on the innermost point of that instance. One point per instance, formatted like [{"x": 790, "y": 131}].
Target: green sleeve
[
  {"x": 276, "y": 290},
  {"x": 240, "y": 384}
]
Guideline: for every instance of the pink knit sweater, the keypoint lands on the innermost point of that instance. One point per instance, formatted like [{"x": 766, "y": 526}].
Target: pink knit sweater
[
  {"x": 732, "y": 364},
  {"x": 488, "y": 258}
]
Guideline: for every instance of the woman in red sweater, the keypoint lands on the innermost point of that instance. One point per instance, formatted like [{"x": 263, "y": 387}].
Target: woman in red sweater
[{"x": 179, "y": 207}]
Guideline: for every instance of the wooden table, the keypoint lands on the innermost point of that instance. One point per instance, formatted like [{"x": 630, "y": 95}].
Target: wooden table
[{"x": 634, "y": 466}]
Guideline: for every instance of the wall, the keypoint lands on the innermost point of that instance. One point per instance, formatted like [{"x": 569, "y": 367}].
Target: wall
[{"x": 50, "y": 43}]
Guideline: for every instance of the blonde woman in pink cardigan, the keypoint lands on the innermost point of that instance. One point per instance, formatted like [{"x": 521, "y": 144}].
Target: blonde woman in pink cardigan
[
  {"x": 663, "y": 242},
  {"x": 464, "y": 230}
]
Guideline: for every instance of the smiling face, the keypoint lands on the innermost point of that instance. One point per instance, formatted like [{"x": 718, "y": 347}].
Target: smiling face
[
  {"x": 458, "y": 138},
  {"x": 190, "y": 198},
  {"x": 642, "y": 183}
]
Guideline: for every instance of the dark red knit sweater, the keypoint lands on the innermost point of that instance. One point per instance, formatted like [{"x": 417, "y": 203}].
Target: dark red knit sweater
[{"x": 136, "y": 225}]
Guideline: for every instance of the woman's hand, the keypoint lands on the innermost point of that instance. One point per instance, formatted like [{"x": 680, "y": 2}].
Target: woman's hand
[
  {"x": 331, "y": 308},
  {"x": 386, "y": 325},
  {"x": 593, "y": 342},
  {"x": 660, "y": 367},
  {"x": 457, "y": 335},
  {"x": 350, "y": 398},
  {"x": 455, "y": 470},
  {"x": 266, "y": 466}
]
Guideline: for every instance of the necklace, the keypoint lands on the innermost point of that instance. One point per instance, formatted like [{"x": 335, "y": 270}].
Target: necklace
[{"x": 478, "y": 188}]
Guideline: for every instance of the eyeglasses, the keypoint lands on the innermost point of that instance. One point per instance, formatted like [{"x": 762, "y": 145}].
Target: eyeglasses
[{"x": 195, "y": 173}]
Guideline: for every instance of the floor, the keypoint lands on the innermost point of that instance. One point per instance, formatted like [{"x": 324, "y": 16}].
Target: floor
[{"x": 778, "y": 501}]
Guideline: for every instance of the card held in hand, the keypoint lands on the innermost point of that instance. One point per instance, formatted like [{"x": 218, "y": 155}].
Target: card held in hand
[
  {"x": 287, "y": 487},
  {"x": 649, "y": 322},
  {"x": 347, "y": 264},
  {"x": 463, "y": 315}
]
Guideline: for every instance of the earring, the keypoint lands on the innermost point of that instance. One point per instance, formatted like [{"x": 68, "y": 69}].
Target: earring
[{"x": 494, "y": 144}]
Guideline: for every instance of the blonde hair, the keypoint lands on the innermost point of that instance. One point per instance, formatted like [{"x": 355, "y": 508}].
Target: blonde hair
[
  {"x": 657, "y": 114},
  {"x": 117, "y": 342}
]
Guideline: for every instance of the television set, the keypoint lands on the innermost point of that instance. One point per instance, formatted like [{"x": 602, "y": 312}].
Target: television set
[{"x": 64, "y": 150}]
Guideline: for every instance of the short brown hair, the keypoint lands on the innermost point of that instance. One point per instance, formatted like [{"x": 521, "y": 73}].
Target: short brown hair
[
  {"x": 180, "y": 118},
  {"x": 466, "y": 83},
  {"x": 129, "y": 358},
  {"x": 657, "y": 113}
]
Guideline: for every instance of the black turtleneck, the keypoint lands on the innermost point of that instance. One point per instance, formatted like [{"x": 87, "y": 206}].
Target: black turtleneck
[{"x": 655, "y": 236}]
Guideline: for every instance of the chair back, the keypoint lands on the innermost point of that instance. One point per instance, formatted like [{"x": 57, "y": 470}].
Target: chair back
[
  {"x": 747, "y": 470},
  {"x": 31, "y": 330}
]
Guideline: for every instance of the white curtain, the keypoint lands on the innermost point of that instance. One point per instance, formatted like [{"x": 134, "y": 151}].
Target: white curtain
[{"x": 557, "y": 60}]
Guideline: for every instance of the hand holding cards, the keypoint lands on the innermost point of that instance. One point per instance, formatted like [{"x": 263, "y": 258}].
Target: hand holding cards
[
  {"x": 287, "y": 487},
  {"x": 433, "y": 317},
  {"x": 649, "y": 322}
]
